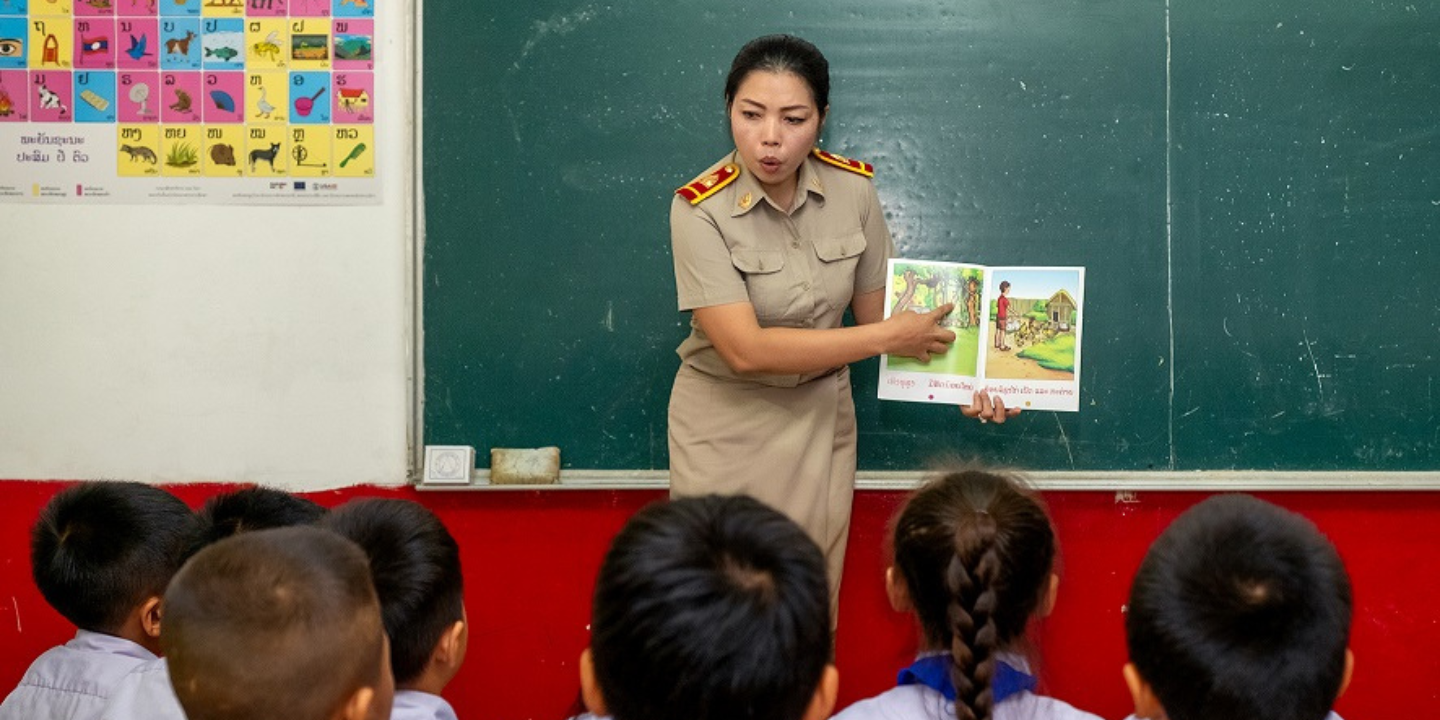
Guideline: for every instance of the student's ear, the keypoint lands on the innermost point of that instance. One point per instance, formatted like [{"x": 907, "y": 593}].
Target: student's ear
[
  {"x": 1349, "y": 671},
  {"x": 590, "y": 687},
  {"x": 1147, "y": 706},
  {"x": 150, "y": 617},
  {"x": 1047, "y": 602},
  {"x": 449, "y": 650},
  {"x": 897, "y": 590},
  {"x": 822, "y": 703},
  {"x": 362, "y": 706}
]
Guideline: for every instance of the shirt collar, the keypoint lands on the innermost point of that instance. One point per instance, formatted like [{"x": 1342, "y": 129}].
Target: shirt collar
[
  {"x": 933, "y": 671},
  {"x": 749, "y": 194},
  {"x": 100, "y": 642},
  {"x": 419, "y": 704}
]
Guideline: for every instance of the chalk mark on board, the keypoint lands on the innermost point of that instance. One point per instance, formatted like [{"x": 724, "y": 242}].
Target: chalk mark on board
[
  {"x": 1065, "y": 438},
  {"x": 557, "y": 25},
  {"x": 16, "y": 604},
  {"x": 1190, "y": 412},
  {"x": 1319, "y": 382},
  {"x": 609, "y": 322},
  {"x": 1169, "y": 230}
]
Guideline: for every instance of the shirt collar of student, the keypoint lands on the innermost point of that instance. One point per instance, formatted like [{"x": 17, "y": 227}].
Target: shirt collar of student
[{"x": 933, "y": 671}]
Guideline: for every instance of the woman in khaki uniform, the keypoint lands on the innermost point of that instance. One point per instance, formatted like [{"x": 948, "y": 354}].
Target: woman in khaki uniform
[{"x": 771, "y": 245}]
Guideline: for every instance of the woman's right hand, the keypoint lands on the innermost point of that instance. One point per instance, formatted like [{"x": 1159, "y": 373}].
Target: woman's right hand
[{"x": 919, "y": 335}]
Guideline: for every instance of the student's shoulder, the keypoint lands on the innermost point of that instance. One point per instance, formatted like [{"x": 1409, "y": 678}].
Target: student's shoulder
[
  {"x": 907, "y": 702},
  {"x": 144, "y": 692},
  {"x": 1029, "y": 706},
  {"x": 78, "y": 669}
]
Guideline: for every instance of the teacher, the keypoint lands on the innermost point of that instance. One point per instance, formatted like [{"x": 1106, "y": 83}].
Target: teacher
[{"x": 771, "y": 245}]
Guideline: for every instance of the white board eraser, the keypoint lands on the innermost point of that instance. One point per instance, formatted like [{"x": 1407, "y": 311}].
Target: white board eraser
[{"x": 525, "y": 466}]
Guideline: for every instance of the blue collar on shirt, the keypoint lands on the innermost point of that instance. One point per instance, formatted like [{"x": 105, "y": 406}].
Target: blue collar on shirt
[{"x": 933, "y": 671}]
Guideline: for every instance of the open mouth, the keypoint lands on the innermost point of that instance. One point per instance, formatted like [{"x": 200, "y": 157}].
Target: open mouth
[{"x": 770, "y": 164}]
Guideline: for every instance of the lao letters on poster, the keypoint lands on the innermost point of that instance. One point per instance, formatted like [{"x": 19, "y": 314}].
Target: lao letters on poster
[{"x": 172, "y": 101}]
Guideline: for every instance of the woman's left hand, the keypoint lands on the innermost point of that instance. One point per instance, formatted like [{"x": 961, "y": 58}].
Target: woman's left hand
[{"x": 987, "y": 408}]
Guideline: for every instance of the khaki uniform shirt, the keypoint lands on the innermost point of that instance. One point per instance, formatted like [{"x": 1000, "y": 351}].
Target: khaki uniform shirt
[{"x": 798, "y": 269}]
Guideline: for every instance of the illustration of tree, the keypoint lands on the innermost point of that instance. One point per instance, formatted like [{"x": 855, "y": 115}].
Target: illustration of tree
[{"x": 913, "y": 281}]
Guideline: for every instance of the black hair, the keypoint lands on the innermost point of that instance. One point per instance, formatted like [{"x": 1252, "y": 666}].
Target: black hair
[
  {"x": 1241, "y": 609},
  {"x": 415, "y": 564},
  {"x": 1004, "y": 285},
  {"x": 100, "y": 549},
  {"x": 252, "y": 508},
  {"x": 273, "y": 623},
  {"x": 975, "y": 549},
  {"x": 782, "y": 54},
  {"x": 710, "y": 608}
]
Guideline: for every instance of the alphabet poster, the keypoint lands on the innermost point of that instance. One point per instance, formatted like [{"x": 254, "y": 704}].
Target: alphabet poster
[
  {"x": 1017, "y": 334},
  {"x": 165, "y": 101}
]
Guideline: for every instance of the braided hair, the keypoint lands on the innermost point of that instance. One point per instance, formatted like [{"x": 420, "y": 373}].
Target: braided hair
[{"x": 975, "y": 549}]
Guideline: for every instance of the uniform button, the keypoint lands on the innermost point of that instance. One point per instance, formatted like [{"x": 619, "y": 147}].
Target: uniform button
[
  {"x": 805, "y": 285},
  {"x": 795, "y": 245}
]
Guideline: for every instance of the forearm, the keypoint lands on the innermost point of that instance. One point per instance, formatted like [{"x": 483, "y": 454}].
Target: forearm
[
  {"x": 748, "y": 348},
  {"x": 797, "y": 351}
]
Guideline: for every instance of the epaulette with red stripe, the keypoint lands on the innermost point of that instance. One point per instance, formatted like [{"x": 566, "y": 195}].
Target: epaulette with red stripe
[
  {"x": 844, "y": 163},
  {"x": 707, "y": 185}
]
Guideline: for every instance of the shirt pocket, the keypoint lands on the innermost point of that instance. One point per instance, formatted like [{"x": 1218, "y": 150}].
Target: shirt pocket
[
  {"x": 839, "y": 256},
  {"x": 771, "y": 290}
]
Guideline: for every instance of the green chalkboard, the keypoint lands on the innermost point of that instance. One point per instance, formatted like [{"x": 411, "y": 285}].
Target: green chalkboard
[{"x": 1253, "y": 192}]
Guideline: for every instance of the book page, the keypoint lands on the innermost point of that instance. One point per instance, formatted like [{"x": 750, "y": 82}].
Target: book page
[
  {"x": 1032, "y": 358},
  {"x": 921, "y": 286}
]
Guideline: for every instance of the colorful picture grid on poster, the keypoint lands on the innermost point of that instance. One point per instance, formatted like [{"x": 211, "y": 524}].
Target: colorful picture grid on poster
[{"x": 200, "y": 88}]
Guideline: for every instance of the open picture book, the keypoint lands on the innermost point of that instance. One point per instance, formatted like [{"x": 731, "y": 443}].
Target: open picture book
[{"x": 1017, "y": 334}]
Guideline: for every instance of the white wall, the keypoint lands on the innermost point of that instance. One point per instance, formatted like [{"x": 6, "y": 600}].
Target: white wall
[{"x": 209, "y": 343}]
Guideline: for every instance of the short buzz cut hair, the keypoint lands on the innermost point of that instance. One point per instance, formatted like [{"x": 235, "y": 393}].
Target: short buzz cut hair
[
  {"x": 415, "y": 564},
  {"x": 1241, "y": 609},
  {"x": 273, "y": 623},
  {"x": 710, "y": 608},
  {"x": 100, "y": 549}
]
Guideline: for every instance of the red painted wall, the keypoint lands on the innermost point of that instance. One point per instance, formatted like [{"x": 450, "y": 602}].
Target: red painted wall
[{"x": 530, "y": 559}]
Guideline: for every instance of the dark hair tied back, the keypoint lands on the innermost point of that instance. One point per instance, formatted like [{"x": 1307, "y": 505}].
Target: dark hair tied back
[
  {"x": 975, "y": 549},
  {"x": 782, "y": 54}
]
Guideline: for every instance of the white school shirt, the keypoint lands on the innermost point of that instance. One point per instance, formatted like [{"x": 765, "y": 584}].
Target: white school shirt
[
  {"x": 416, "y": 705},
  {"x": 1331, "y": 716},
  {"x": 72, "y": 681},
  {"x": 918, "y": 702},
  {"x": 144, "y": 694}
]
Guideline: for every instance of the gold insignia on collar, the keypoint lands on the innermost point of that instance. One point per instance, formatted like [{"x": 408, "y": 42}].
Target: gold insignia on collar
[{"x": 746, "y": 200}]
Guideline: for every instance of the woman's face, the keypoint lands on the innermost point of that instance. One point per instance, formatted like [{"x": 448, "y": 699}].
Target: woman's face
[{"x": 774, "y": 121}]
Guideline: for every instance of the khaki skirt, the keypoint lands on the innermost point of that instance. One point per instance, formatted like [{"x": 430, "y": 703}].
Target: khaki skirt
[{"x": 792, "y": 448}]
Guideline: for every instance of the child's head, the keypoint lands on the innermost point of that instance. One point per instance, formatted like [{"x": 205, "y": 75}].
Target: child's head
[
  {"x": 710, "y": 608},
  {"x": 1240, "y": 610},
  {"x": 280, "y": 623},
  {"x": 974, "y": 552},
  {"x": 415, "y": 564},
  {"x": 252, "y": 508},
  {"x": 102, "y": 553},
  {"x": 1004, "y": 286}
]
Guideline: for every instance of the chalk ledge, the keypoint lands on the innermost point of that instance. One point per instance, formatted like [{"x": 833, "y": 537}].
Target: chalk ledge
[{"x": 1116, "y": 481}]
